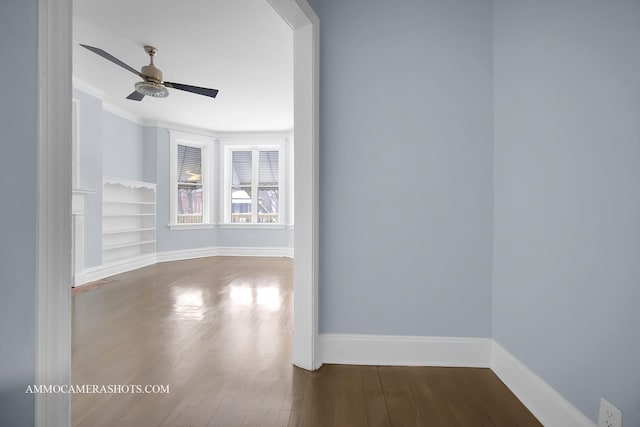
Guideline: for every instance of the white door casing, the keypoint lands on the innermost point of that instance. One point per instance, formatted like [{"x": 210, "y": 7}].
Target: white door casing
[{"x": 54, "y": 263}]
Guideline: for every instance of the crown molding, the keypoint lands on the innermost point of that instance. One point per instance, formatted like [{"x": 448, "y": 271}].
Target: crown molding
[
  {"x": 170, "y": 126},
  {"x": 276, "y": 134},
  {"x": 124, "y": 114},
  {"x": 87, "y": 88}
]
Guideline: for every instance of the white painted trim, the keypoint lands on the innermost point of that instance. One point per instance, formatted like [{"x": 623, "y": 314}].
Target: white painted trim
[
  {"x": 306, "y": 60},
  {"x": 84, "y": 191},
  {"x": 80, "y": 279},
  {"x": 206, "y": 145},
  {"x": 100, "y": 272},
  {"x": 53, "y": 226},
  {"x": 190, "y": 226},
  {"x": 217, "y": 133},
  {"x": 123, "y": 114},
  {"x": 129, "y": 183},
  {"x": 75, "y": 144},
  {"x": 254, "y": 137},
  {"x": 85, "y": 87},
  {"x": 255, "y": 252},
  {"x": 53, "y": 350},
  {"x": 212, "y": 251},
  {"x": 184, "y": 254},
  {"x": 188, "y": 138},
  {"x": 254, "y": 226},
  {"x": 255, "y": 145},
  {"x": 544, "y": 402},
  {"x": 390, "y": 350},
  {"x": 78, "y": 233},
  {"x": 181, "y": 128},
  {"x": 296, "y": 13}
]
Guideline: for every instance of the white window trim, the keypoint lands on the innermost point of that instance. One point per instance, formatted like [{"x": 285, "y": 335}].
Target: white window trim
[
  {"x": 240, "y": 225},
  {"x": 227, "y": 146},
  {"x": 75, "y": 144},
  {"x": 205, "y": 143}
]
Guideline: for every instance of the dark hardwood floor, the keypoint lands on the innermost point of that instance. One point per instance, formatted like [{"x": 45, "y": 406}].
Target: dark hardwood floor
[{"x": 218, "y": 332}]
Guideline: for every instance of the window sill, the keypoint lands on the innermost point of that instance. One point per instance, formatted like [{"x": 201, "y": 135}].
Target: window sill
[
  {"x": 190, "y": 226},
  {"x": 240, "y": 226}
]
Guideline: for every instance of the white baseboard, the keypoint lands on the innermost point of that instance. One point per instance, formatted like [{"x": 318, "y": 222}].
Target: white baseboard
[
  {"x": 544, "y": 402},
  {"x": 100, "y": 272},
  {"x": 258, "y": 252},
  {"x": 224, "y": 251},
  {"x": 79, "y": 279},
  {"x": 405, "y": 350},
  {"x": 185, "y": 254}
]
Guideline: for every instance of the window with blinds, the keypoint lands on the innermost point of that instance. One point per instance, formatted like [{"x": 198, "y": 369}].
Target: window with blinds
[
  {"x": 255, "y": 185},
  {"x": 190, "y": 195},
  {"x": 268, "y": 187}
]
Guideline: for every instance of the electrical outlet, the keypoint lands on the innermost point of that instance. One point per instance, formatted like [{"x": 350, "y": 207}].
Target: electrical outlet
[{"x": 610, "y": 416}]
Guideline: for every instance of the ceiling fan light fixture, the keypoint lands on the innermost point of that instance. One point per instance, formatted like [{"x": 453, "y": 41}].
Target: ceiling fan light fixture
[
  {"x": 156, "y": 90},
  {"x": 153, "y": 84}
]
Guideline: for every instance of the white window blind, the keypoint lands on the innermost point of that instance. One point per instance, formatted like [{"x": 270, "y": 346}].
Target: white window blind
[
  {"x": 255, "y": 186},
  {"x": 190, "y": 188}
]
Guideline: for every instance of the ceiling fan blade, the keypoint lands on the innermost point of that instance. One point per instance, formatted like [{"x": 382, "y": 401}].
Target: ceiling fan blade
[
  {"x": 111, "y": 58},
  {"x": 135, "y": 96},
  {"x": 194, "y": 89}
]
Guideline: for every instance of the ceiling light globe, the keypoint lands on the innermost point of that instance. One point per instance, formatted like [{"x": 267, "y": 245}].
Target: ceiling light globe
[{"x": 152, "y": 89}]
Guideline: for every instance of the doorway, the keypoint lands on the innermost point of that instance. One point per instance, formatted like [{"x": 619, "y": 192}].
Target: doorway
[{"x": 54, "y": 199}]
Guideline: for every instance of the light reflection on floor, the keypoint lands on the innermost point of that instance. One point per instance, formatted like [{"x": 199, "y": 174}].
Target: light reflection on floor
[
  {"x": 240, "y": 295},
  {"x": 268, "y": 298},
  {"x": 188, "y": 303}
]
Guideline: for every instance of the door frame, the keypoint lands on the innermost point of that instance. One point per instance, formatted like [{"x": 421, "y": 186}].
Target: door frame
[{"x": 53, "y": 265}]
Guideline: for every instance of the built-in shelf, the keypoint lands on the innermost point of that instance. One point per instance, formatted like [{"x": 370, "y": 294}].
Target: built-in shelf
[
  {"x": 129, "y": 214},
  {"x": 128, "y": 219},
  {"x": 130, "y": 230},
  {"x": 123, "y": 202},
  {"x": 128, "y": 245}
]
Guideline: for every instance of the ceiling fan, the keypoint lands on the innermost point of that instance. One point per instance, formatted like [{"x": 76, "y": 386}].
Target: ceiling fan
[{"x": 152, "y": 83}]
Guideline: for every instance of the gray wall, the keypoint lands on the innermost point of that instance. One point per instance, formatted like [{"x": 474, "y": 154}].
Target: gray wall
[
  {"x": 18, "y": 174},
  {"x": 90, "y": 146},
  {"x": 567, "y": 203},
  {"x": 123, "y": 152},
  {"x": 405, "y": 167},
  {"x": 150, "y": 159},
  {"x": 416, "y": 76}
]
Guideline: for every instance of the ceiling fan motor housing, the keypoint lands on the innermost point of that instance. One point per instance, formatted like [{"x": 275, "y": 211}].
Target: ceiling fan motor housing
[
  {"x": 152, "y": 73},
  {"x": 152, "y": 84}
]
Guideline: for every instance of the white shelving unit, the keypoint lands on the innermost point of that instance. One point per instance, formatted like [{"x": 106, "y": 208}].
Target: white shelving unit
[{"x": 128, "y": 219}]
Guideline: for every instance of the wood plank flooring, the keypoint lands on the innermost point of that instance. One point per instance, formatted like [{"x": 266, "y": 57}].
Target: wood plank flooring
[{"x": 218, "y": 332}]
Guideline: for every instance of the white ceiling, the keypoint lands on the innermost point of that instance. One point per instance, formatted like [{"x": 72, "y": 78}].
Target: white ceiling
[{"x": 241, "y": 47}]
